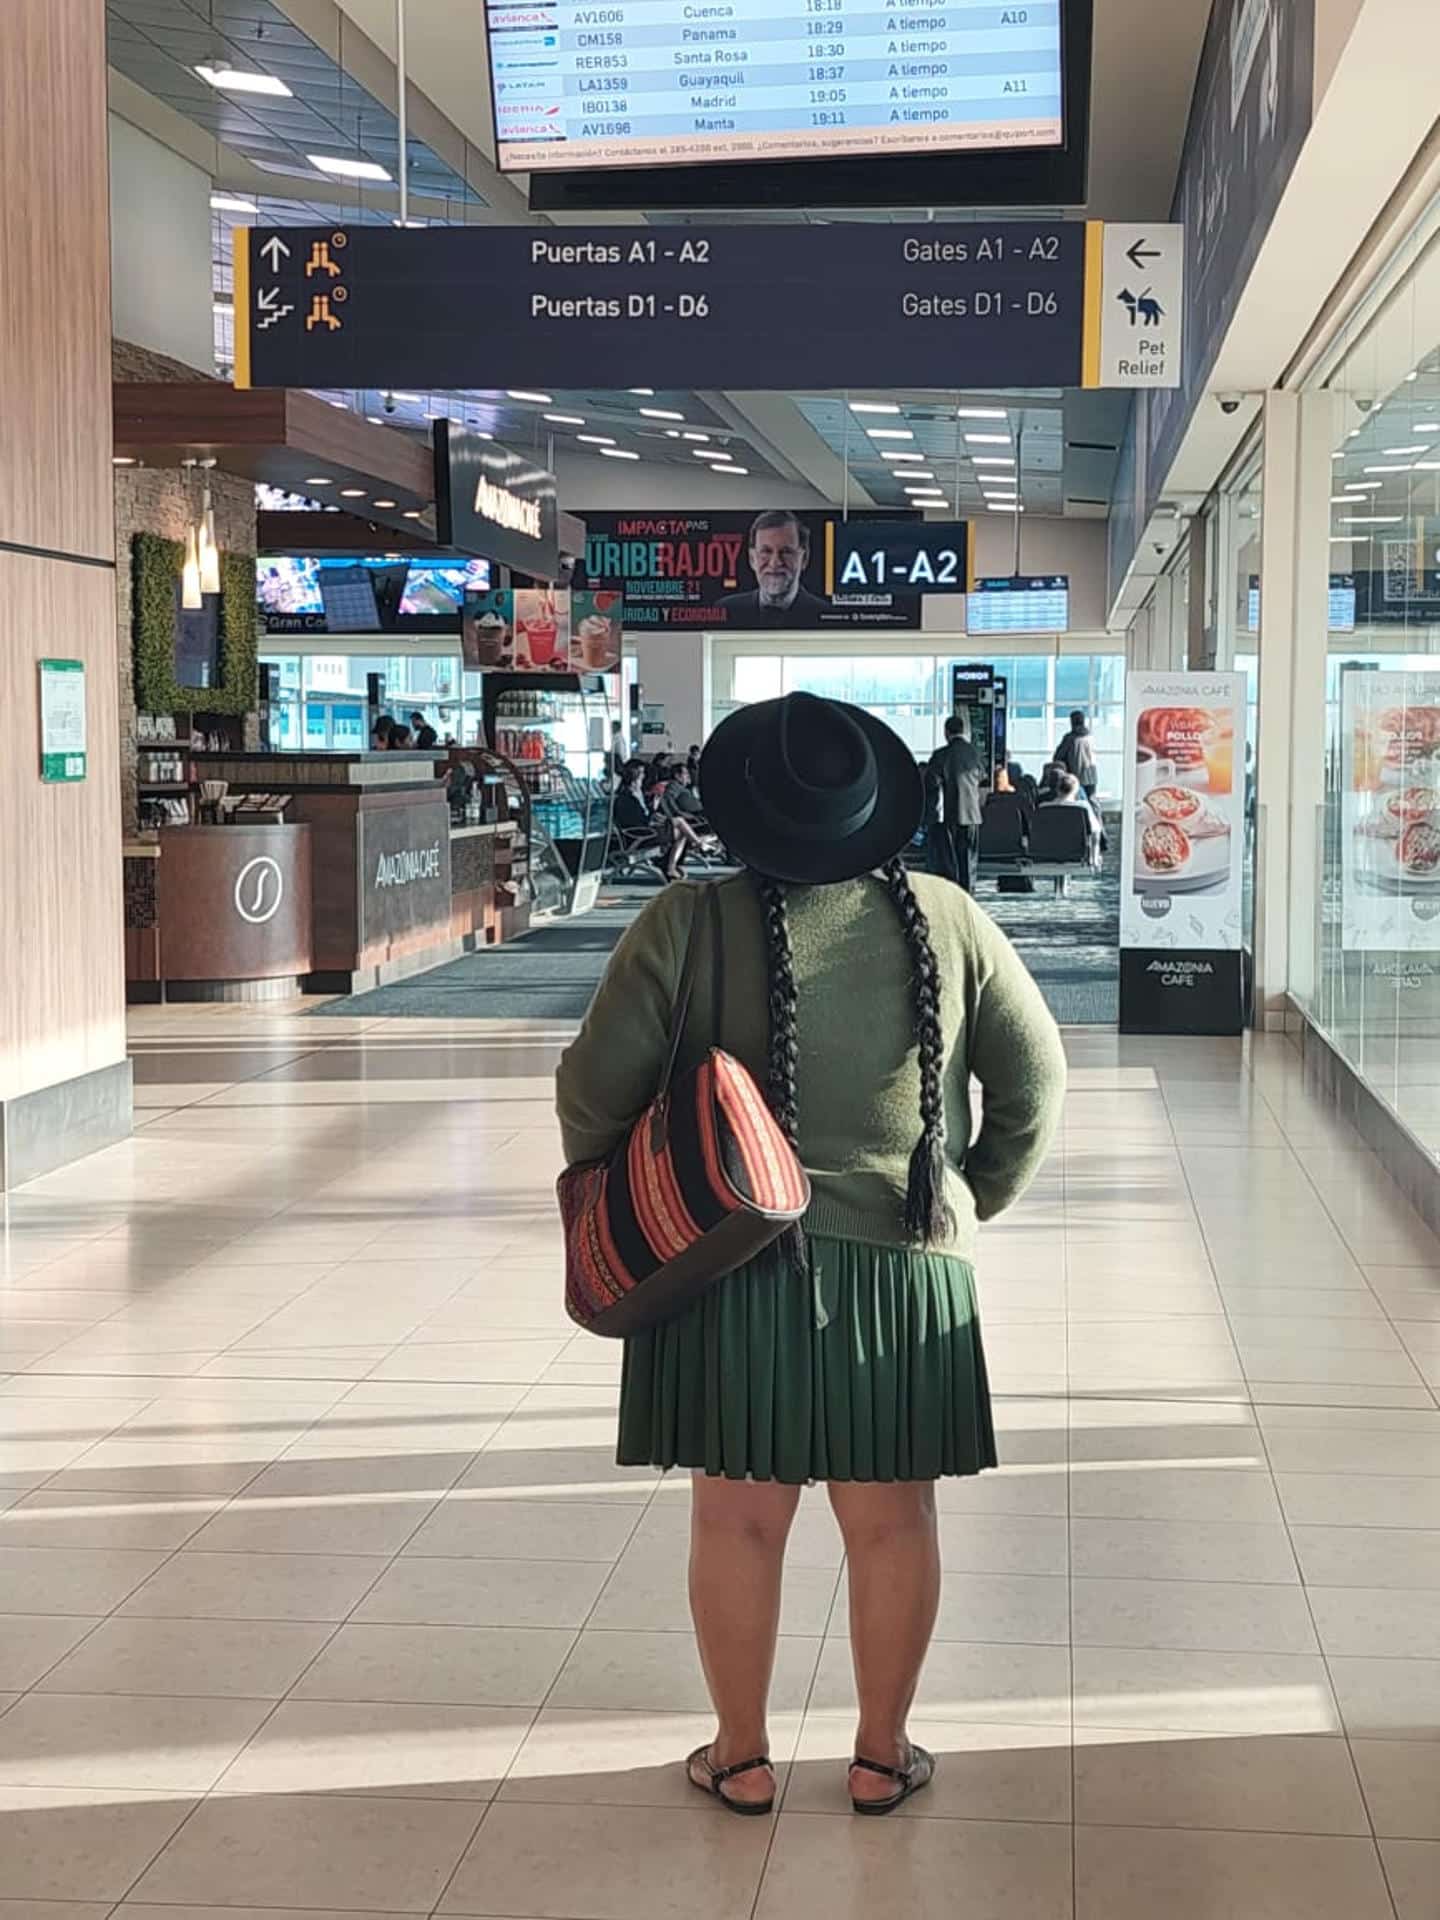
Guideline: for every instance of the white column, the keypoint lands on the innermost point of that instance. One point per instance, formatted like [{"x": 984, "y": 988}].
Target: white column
[
  {"x": 1273, "y": 750},
  {"x": 161, "y": 295},
  {"x": 674, "y": 670},
  {"x": 1320, "y": 434},
  {"x": 1294, "y": 643}
]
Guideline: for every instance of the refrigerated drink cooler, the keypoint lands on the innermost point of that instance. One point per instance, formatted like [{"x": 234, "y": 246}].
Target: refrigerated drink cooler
[{"x": 554, "y": 730}]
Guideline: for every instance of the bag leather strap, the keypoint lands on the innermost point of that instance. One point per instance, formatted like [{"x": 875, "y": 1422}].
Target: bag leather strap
[{"x": 707, "y": 907}]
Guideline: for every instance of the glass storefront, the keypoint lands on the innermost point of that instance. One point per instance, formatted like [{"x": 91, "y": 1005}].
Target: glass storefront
[
  {"x": 912, "y": 693},
  {"x": 1369, "y": 903}
]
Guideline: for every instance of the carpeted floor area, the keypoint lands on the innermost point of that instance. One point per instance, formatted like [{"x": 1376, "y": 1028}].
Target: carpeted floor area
[{"x": 1069, "y": 945}]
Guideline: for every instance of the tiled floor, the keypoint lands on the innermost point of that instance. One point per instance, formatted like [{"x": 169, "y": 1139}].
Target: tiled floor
[{"x": 318, "y": 1591}]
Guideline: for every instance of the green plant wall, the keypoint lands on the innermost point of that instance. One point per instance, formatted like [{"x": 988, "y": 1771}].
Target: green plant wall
[{"x": 155, "y": 567}]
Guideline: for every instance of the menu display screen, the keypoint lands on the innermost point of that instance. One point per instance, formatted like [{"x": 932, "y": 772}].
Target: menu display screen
[
  {"x": 647, "y": 83},
  {"x": 302, "y": 593}
]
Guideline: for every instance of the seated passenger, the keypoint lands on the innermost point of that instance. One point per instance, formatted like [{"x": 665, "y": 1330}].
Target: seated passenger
[
  {"x": 632, "y": 815},
  {"x": 1070, "y": 793}
]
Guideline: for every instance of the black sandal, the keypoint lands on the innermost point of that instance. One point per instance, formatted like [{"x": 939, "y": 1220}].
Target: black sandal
[
  {"x": 717, "y": 1777},
  {"x": 911, "y": 1780}
]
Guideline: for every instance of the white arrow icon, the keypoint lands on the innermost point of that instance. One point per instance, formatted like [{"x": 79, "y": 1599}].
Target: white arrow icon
[
  {"x": 275, "y": 250},
  {"x": 270, "y": 313}
]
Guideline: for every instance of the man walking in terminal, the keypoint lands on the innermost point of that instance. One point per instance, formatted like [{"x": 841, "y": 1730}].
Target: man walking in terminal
[{"x": 954, "y": 775}]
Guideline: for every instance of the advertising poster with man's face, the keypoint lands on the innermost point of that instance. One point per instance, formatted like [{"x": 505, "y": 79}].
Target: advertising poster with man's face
[
  {"x": 737, "y": 572},
  {"x": 1185, "y": 811},
  {"x": 1390, "y": 812}
]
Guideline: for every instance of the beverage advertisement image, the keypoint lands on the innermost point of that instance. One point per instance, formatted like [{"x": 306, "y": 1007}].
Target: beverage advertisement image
[
  {"x": 1185, "y": 809},
  {"x": 542, "y": 630},
  {"x": 737, "y": 572},
  {"x": 1390, "y": 812}
]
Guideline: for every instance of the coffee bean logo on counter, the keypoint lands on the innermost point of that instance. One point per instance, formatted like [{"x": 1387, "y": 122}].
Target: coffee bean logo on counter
[{"x": 259, "y": 889}]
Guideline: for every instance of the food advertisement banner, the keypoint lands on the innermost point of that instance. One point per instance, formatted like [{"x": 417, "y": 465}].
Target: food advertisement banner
[
  {"x": 1185, "y": 805},
  {"x": 745, "y": 572},
  {"x": 542, "y": 630},
  {"x": 1181, "y": 919},
  {"x": 1390, "y": 812}
]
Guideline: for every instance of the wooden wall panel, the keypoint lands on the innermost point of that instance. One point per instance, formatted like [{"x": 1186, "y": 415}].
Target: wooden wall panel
[
  {"x": 62, "y": 984},
  {"x": 55, "y": 417}
]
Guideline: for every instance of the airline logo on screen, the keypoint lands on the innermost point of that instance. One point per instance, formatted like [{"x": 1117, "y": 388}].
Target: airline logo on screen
[{"x": 506, "y": 509}]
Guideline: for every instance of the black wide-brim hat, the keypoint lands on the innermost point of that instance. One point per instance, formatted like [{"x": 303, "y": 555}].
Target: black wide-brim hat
[{"x": 810, "y": 791}]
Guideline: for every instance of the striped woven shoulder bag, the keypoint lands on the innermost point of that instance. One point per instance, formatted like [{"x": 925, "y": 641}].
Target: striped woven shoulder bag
[{"x": 705, "y": 1180}]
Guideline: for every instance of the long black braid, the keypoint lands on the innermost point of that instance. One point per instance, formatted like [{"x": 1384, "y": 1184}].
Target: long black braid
[{"x": 928, "y": 1216}]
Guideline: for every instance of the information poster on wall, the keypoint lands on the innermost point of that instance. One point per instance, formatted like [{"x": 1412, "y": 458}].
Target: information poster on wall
[
  {"x": 1390, "y": 812},
  {"x": 62, "y": 720},
  {"x": 1181, "y": 904}
]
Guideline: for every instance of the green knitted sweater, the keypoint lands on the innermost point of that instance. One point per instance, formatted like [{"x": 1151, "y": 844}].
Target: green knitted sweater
[{"x": 858, "y": 1079}]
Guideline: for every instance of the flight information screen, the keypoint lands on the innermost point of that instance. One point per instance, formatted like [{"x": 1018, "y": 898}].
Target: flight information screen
[
  {"x": 647, "y": 83},
  {"x": 1020, "y": 604}
]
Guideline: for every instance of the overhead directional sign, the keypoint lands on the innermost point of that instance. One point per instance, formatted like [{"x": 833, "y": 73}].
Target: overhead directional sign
[
  {"x": 984, "y": 304},
  {"x": 1142, "y": 307}
]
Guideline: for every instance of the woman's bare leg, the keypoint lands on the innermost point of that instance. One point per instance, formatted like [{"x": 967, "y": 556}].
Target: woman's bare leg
[
  {"x": 737, "y": 1556},
  {"x": 893, "y": 1551}
]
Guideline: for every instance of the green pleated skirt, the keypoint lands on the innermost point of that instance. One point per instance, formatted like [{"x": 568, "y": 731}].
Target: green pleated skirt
[{"x": 872, "y": 1369}]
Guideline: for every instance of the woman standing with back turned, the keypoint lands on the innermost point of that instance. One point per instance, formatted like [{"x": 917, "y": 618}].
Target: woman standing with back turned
[{"x": 864, "y": 1001}]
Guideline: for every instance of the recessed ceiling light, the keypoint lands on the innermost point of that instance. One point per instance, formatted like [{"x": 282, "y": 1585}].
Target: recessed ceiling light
[
  {"x": 1340, "y": 456},
  {"x": 987, "y": 439},
  {"x": 710, "y": 453},
  {"x": 1414, "y": 375},
  {"x": 890, "y": 433},
  {"x": 690, "y": 434},
  {"x": 1363, "y": 486},
  {"x": 539, "y": 399},
  {"x": 567, "y": 419},
  {"x": 619, "y": 453},
  {"x": 1375, "y": 520},
  {"x": 660, "y": 413},
  {"x": 1400, "y": 452},
  {"x": 992, "y": 460},
  {"x": 413, "y": 513},
  {"x": 352, "y": 493},
  {"x": 728, "y": 467},
  {"x": 645, "y": 390},
  {"x": 245, "y": 80},
  {"x": 916, "y": 473},
  {"x": 410, "y": 399},
  {"x": 889, "y": 455},
  {"x": 374, "y": 419},
  {"x": 319, "y": 480},
  {"x": 994, "y": 506},
  {"x": 672, "y": 433},
  {"x": 1404, "y": 466},
  {"x": 481, "y": 434},
  {"x": 1427, "y": 466},
  {"x": 232, "y": 203},
  {"x": 925, "y": 493},
  {"x": 873, "y": 406},
  {"x": 345, "y": 169},
  {"x": 981, "y": 413},
  {"x": 122, "y": 460},
  {"x": 1427, "y": 426},
  {"x": 385, "y": 503},
  {"x": 596, "y": 439}
]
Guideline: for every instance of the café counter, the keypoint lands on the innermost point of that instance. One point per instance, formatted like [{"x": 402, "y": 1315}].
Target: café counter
[
  {"x": 384, "y": 888},
  {"x": 218, "y": 913}
]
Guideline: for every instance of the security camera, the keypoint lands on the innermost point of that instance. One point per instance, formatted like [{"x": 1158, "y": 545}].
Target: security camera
[
  {"x": 1364, "y": 403},
  {"x": 1229, "y": 402},
  {"x": 387, "y": 401},
  {"x": 1161, "y": 548}
]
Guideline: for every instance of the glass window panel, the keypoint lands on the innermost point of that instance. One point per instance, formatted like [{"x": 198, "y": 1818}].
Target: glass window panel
[
  {"x": 1072, "y": 682},
  {"x": 756, "y": 677},
  {"x": 832, "y": 679}
]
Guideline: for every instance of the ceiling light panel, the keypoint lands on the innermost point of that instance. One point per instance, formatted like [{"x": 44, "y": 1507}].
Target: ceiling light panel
[
  {"x": 244, "y": 80},
  {"x": 346, "y": 169}
]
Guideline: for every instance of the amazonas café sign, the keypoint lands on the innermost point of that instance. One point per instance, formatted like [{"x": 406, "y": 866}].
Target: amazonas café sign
[{"x": 495, "y": 502}]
